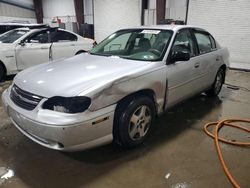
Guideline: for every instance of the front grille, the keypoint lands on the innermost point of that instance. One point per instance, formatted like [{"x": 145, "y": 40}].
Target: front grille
[{"x": 24, "y": 99}]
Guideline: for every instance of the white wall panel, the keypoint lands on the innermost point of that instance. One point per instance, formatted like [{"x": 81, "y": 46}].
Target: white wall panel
[
  {"x": 152, "y": 4},
  {"x": 10, "y": 19},
  {"x": 63, "y": 9},
  {"x": 110, "y": 16},
  {"x": 10, "y": 13},
  {"x": 150, "y": 17},
  {"x": 229, "y": 22},
  {"x": 176, "y": 9},
  {"x": 88, "y": 11}
]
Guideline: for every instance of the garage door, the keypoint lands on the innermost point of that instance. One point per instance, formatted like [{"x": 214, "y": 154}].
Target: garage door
[
  {"x": 229, "y": 22},
  {"x": 110, "y": 16}
]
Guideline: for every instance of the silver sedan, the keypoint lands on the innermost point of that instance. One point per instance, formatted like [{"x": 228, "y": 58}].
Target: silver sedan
[{"x": 115, "y": 91}]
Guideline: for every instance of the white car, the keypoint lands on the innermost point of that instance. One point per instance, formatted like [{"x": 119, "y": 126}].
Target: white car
[{"x": 22, "y": 48}]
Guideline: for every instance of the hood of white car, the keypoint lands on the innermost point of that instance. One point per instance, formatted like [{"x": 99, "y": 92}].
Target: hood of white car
[{"x": 70, "y": 77}]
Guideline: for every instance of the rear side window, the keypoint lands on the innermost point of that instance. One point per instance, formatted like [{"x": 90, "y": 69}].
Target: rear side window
[
  {"x": 204, "y": 42},
  {"x": 213, "y": 42},
  {"x": 63, "y": 36},
  {"x": 3, "y": 29}
]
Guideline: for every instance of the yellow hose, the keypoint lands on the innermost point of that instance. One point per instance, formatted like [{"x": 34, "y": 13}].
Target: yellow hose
[{"x": 218, "y": 125}]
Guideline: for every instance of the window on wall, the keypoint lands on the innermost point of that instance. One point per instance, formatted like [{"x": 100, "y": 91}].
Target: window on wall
[{"x": 204, "y": 42}]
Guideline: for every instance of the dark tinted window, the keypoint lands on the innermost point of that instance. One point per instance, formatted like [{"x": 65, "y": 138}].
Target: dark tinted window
[
  {"x": 184, "y": 42},
  {"x": 3, "y": 29},
  {"x": 62, "y": 36},
  {"x": 204, "y": 42},
  {"x": 41, "y": 37}
]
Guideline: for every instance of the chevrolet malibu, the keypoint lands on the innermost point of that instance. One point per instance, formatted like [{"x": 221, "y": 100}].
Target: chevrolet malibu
[
  {"x": 22, "y": 48},
  {"x": 115, "y": 91}
]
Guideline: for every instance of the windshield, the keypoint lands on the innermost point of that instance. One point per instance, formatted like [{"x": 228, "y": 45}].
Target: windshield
[
  {"x": 136, "y": 44},
  {"x": 12, "y": 36}
]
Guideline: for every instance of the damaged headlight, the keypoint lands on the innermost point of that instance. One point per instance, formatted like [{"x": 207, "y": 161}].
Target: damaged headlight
[{"x": 68, "y": 104}]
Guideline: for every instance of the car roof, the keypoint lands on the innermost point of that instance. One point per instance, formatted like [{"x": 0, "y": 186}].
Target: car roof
[
  {"x": 39, "y": 29},
  {"x": 21, "y": 24},
  {"x": 28, "y": 29},
  {"x": 172, "y": 27}
]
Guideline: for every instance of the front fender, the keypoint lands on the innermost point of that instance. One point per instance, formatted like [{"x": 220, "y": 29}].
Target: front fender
[
  {"x": 116, "y": 90},
  {"x": 8, "y": 59}
]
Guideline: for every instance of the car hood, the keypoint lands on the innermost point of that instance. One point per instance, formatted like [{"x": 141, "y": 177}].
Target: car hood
[{"x": 70, "y": 77}]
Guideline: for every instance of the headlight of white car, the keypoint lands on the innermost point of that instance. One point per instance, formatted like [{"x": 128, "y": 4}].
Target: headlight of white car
[{"x": 68, "y": 104}]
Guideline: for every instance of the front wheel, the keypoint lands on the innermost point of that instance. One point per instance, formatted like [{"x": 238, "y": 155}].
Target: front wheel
[
  {"x": 217, "y": 85},
  {"x": 134, "y": 121}
]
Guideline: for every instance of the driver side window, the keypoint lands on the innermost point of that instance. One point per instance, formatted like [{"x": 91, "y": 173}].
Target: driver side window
[
  {"x": 41, "y": 37},
  {"x": 184, "y": 43}
]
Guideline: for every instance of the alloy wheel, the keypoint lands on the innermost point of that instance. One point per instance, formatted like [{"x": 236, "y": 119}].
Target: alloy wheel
[{"x": 140, "y": 122}]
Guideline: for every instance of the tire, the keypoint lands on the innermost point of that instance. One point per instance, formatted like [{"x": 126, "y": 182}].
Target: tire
[
  {"x": 133, "y": 121},
  {"x": 2, "y": 73},
  {"x": 217, "y": 85}
]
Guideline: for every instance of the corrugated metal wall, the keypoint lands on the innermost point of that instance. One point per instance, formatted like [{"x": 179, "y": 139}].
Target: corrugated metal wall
[
  {"x": 229, "y": 22},
  {"x": 64, "y": 9},
  {"x": 174, "y": 10},
  {"x": 11, "y": 12},
  {"x": 110, "y": 16}
]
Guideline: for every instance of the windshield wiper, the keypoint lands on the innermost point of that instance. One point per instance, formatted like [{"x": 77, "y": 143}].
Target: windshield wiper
[{"x": 107, "y": 55}]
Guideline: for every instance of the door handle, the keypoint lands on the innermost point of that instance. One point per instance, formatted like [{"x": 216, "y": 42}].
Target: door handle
[
  {"x": 72, "y": 45},
  {"x": 217, "y": 58},
  {"x": 196, "y": 65},
  {"x": 44, "y": 48}
]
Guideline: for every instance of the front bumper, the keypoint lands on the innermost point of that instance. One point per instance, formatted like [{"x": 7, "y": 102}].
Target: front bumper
[{"x": 62, "y": 131}]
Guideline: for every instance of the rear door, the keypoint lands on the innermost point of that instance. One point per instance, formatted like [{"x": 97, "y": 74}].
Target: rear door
[
  {"x": 207, "y": 58},
  {"x": 182, "y": 75},
  {"x": 63, "y": 44},
  {"x": 34, "y": 51}
]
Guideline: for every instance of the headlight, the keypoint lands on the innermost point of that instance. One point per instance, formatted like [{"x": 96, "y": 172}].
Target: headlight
[{"x": 68, "y": 104}]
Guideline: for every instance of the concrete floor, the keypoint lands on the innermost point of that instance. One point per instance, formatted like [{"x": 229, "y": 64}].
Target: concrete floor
[{"x": 178, "y": 154}]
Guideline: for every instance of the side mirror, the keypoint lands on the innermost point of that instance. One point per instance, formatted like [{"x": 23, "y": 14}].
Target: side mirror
[
  {"x": 180, "y": 56},
  {"x": 22, "y": 43}
]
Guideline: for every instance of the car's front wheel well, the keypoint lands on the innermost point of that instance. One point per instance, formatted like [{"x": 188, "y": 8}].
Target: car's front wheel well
[
  {"x": 223, "y": 67},
  {"x": 3, "y": 70},
  {"x": 80, "y": 52},
  {"x": 142, "y": 93},
  {"x": 122, "y": 103}
]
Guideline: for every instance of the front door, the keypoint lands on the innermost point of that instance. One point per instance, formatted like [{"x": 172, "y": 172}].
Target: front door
[
  {"x": 182, "y": 75},
  {"x": 34, "y": 50}
]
